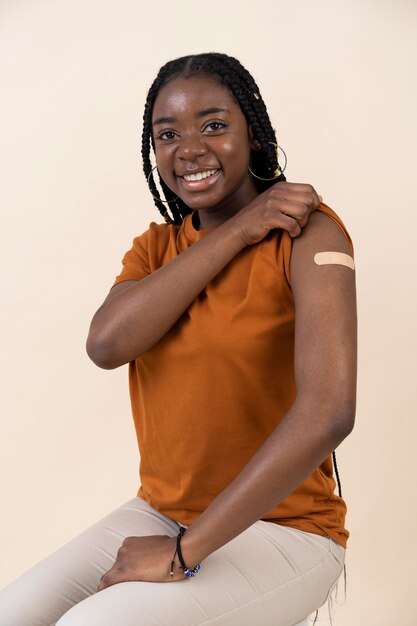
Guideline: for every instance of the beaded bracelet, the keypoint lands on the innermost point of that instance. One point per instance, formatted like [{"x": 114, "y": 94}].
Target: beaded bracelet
[{"x": 187, "y": 571}]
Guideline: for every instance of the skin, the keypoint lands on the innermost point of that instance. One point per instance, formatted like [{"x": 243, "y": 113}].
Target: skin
[{"x": 325, "y": 334}]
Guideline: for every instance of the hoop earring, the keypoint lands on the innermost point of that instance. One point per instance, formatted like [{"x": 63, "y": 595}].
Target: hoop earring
[
  {"x": 278, "y": 171},
  {"x": 160, "y": 199}
]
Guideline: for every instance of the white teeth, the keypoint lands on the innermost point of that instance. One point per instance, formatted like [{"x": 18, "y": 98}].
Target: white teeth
[{"x": 199, "y": 175}]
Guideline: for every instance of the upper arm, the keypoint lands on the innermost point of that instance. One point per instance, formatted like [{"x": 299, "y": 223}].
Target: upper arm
[
  {"x": 135, "y": 266},
  {"x": 325, "y": 320}
]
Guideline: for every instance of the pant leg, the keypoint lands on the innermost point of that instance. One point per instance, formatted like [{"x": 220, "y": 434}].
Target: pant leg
[
  {"x": 40, "y": 596},
  {"x": 270, "y": 575}
]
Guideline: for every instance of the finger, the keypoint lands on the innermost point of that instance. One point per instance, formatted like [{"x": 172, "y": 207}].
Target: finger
[
  {"x": 105, "y": 581},
  {"x": 309, "y": 198},
  {"x": 295, "y": 230},
  {"x": 296, "y": 210},
  {"x": 298, "y": 187},
  {"x": 112, "y": 577},
  {"x": 304, "y": 193},
  {"x": 280, "y": 220}
]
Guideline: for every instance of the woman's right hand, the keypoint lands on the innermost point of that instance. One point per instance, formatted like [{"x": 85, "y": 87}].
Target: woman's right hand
[{"x": 284, "y": 205}]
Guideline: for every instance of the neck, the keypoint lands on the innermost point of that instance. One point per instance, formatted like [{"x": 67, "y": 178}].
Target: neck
[{"x": 217, "y": 215}]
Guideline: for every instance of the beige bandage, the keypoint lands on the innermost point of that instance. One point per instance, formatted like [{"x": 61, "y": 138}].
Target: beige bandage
[{"x": 334, "y": 258}]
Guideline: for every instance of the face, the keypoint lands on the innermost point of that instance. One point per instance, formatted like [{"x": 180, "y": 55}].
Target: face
[{"x": 202, "y": 145}]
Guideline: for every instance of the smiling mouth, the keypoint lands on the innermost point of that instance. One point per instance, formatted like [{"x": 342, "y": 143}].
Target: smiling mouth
[
  {"x": 199, "y": 175},
  {"x": 199, "y": 181}
]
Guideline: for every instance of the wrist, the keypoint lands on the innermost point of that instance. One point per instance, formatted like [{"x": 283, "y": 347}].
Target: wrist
[
  {"x": 191, "y": 549},
  {"x": 231, "y": 231},
  {"x": 178, "y": 562}
]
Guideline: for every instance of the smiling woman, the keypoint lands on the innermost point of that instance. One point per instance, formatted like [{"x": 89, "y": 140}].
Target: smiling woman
[
  {"x": 204, "y": 153},
  {"x": 242, "y": 370}
]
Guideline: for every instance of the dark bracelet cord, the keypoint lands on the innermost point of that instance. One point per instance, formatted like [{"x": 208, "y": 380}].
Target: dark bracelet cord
[{"x": 187, "y": 571}]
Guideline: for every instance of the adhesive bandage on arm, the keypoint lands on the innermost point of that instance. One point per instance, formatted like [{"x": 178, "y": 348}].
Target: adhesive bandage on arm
[{"x": 334, "y": 258}]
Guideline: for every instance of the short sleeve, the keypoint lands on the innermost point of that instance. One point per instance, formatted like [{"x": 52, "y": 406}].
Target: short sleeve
[
  {"x": 136, "y": 260},
  {"x": 285, "y": 249}
]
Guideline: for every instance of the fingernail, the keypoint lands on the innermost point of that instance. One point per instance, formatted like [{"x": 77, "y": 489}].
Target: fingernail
[{"x": 321, "y": 198}]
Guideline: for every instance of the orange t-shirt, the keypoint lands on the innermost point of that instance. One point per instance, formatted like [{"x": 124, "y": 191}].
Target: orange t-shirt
[{"x": 210, "y": 392}]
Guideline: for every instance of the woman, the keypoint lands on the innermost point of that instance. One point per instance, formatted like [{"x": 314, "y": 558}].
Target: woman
[{"x": 241, "y": 341}]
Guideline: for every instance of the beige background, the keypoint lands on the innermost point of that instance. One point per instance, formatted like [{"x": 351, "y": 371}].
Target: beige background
[{"x": 339, "y": 80}]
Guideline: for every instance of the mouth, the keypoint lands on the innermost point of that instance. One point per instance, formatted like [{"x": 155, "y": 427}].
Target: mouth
[{"x": 199, "y": 180}]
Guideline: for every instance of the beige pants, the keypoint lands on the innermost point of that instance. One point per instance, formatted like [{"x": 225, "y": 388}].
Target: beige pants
[{"x": 269, "y": 575}]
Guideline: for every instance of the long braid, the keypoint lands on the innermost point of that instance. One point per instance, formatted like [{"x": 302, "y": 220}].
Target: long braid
[
  {"x": 147, "y": 165},
  {"x": 242, "y": 86}
]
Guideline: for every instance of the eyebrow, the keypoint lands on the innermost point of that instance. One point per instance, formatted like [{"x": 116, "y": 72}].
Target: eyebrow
[{"x": 203, "y": 113}]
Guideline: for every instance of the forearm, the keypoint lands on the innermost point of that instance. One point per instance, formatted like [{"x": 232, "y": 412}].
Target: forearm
[
  {"x": 297, "y": 446},
  {"x": 135, "y": 319}
]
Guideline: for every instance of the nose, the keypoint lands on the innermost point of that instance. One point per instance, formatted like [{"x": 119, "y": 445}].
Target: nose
[{"x": 191, "y": 148}]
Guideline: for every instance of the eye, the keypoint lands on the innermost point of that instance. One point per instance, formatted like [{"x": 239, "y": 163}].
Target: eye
[
  {"x": 214, "y": 126},
  {"x": 166, "y": 135}
]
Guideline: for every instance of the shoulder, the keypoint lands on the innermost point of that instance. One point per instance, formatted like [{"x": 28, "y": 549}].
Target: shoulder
[
  {"x": 325, "y": 227},
  {"x": 156, "y": 230},
  {"x": 325, "y": 231},
  {"x": 161, "y": 227},
  {"x": 322, "y": 252},
  {"x": 155, "y": 233}
]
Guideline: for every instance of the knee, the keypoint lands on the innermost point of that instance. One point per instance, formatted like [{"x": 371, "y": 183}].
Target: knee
[
  {"x": 94, "y": 610},
  {"x": 75, "y": 616}
]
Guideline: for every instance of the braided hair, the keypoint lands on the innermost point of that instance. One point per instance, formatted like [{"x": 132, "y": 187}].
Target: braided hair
[{"x": 243, "y": 88}]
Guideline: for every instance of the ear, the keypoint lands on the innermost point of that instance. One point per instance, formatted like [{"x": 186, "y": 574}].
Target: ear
[{"x": 255, "y": 144}]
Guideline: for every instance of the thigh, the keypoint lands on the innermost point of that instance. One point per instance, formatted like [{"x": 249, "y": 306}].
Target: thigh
[
  {"x": 270, "y": 575},
  {"x": 40, "y": 596}
]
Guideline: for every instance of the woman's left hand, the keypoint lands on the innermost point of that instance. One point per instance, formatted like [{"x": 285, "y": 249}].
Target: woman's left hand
[{"x": 144, "y": 558}]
